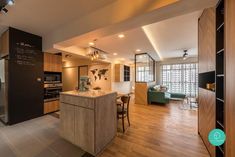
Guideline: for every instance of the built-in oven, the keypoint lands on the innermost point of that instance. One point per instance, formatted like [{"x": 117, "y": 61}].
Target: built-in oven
[
  {"x": 52, "y": 92},
  {"x": 52, "y": 86},
  {"x": 52, "y": 77}
]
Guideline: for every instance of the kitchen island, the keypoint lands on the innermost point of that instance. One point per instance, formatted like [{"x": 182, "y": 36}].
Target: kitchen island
[{"x": 88, "y": 119}]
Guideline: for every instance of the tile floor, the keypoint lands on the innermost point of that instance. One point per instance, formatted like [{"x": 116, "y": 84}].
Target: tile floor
[{"x": 36, "y": 138}]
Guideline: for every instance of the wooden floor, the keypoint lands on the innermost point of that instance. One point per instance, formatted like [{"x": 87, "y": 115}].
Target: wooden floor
[{"x": 159, "y": 131}]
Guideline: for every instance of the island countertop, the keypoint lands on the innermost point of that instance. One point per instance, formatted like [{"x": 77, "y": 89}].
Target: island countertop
[
  {"x": 88, "y": 94},
  {"x": 88, "y": 119}
]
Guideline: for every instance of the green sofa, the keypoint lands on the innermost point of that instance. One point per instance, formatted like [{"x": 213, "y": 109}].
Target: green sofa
[
  {"x": 178, "y": 96},
  {"x": 158, "y": 97}
]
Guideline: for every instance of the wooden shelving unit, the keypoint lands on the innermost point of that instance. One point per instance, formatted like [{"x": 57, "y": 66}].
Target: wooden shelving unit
[
  {"x": 126, "y": 73},
  {"x": 122, "y": 73},
  {"x": 220, "y": 75}
]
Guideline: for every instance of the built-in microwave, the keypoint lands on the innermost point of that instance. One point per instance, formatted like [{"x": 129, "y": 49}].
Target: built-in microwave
[{"x": 52, "y": 77}]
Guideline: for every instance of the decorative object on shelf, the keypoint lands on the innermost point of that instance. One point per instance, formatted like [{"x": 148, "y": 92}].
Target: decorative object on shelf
[
  {"x": 84, "y": 84},
  {"x": 210, "y": 86},
  {"x": 185, "y": 55},
  {"x": 97, "y": 88}
]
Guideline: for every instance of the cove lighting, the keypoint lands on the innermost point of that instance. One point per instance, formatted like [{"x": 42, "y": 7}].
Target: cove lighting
[{"x": 149, "y": 35}]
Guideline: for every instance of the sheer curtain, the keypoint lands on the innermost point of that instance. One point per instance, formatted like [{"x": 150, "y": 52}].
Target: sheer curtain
[{"x": 181, "y": 78}]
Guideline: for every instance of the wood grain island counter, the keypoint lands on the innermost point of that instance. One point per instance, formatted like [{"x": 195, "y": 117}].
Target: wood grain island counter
[{"x": 88, "y": 119}]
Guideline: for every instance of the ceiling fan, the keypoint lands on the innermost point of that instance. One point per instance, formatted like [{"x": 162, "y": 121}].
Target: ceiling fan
[{"x": 185, "y": 55}]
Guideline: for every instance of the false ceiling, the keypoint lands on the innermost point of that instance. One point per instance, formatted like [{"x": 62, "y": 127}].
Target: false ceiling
[
  {"x": 174, "y": 35},
  {"x": 162, "y": 40},
  {"x": 125, "y": 47}
]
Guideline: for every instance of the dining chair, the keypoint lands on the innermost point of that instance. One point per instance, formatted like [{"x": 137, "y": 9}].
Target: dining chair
[{"x": 123, "y": 110}]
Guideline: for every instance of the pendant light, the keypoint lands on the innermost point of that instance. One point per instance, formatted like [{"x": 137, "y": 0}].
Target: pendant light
[{"x": 185, "y": 55}]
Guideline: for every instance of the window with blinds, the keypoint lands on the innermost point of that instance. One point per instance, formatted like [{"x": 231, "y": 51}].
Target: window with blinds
[{"x": 181, "y": 78}]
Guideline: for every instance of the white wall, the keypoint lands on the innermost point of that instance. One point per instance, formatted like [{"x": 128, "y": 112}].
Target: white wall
[
  {"x": 121, "y": 87},
  {"x": 104, "y": 84},
  {"x": 171, "y": 61},
  {"x": 69, "y": 70},
  {"x": 70, "y": 73}
]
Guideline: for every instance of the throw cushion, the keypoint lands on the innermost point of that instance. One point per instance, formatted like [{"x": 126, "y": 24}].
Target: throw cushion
[
  {"x": 151, "y": 89},
  {"x": 157, "y": 88},
  {"x": 163, "y": 88}
]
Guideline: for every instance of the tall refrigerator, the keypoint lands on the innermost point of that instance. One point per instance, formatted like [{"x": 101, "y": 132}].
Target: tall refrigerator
[{"x": 21, "y": 72}]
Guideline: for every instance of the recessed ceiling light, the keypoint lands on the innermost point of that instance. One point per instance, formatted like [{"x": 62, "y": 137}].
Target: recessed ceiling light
[
  {"x": 121, "y": 35},
  {"x": 138, "y": 50},
  {"x": 115, "y": 54},
  {"x": 91, "y": 43},
  {"x": 122, "y": 59},
  {"x": 10, "y": 2}
]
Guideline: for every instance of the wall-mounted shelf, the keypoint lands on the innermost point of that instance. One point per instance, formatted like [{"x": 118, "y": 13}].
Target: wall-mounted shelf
[
  {"x": 220, "y": 100},
  {"x": 127, "y": 72},
  {"x": 220, "y": 75},
  {"x": 221, "y": 151},
  {"x": 206, "y": 78},
  {"x": 220, "y": 26},
  {"x": 220, "y": 51},
  {"x": 220, "y": 124},
  {"x": 122, "y": 73}
]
